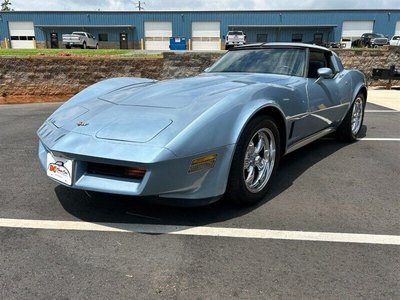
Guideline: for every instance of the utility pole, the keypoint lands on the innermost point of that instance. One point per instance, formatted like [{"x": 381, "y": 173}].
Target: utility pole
[{"x": 140, "y": 5}]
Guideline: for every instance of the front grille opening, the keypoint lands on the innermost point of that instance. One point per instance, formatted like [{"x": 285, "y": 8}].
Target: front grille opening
[{"x": 116, "y": 171}]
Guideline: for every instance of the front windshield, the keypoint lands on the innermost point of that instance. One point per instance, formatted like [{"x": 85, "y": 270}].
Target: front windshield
[
  {"x": 273, "y": 60},
  {"x": 235, "y": 33}
]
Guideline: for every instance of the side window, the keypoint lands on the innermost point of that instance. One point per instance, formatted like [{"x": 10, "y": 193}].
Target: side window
[
  {"x": 335, "y": 65},
  {"x": 339, "y": 63},
  {"x": 319, "y": 59}
]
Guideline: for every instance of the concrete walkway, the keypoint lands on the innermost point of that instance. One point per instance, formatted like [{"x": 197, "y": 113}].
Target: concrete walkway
[{"x": 386, "y": 98}]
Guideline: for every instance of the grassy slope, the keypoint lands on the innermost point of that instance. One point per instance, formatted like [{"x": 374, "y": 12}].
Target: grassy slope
[{"x": 75, "y": 52}]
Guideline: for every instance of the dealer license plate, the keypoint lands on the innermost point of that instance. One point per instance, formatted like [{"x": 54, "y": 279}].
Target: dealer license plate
[{"x": 59, "y": 168}]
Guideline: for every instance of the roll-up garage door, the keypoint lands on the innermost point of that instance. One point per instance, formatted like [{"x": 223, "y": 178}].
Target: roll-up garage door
[
  {"x": 157, "y": 35},
  {"x": 22, "y": 35},
  {"x": 397, "y": 28},
  {"x": 355, "y": 29},
  {"x": 206, "y": 36}
]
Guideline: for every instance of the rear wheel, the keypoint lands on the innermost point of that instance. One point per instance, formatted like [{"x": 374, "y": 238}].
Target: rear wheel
[
  {"x": 255, "y": 161},
  {"x": 350, "y": 128},
  {"x": 68, "y": 46}
]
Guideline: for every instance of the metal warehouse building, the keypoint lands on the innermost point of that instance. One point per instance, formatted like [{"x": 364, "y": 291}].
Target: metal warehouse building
[{"x": 204, "y": 30}]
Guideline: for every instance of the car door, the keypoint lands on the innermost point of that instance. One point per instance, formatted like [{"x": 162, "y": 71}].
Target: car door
[
  {"x": 91, "y": 40},
  {"x": 328, "y": 98}
]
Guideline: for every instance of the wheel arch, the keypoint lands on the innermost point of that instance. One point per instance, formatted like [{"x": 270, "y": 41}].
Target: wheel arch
[
  {"x": 364, "y": 91},
  {"x": 277, "y": 114}
]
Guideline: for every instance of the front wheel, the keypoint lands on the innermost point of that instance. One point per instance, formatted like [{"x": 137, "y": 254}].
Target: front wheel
[
  {"x": 84, "y": 46},
  {"x": 255, "y": 162},
  {"x": 350, "y": 128}
]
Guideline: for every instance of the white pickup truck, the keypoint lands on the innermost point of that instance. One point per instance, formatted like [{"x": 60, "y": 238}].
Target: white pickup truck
[
  {"x": 80, "y": 39},
  {"x": 234, "y": 38}
]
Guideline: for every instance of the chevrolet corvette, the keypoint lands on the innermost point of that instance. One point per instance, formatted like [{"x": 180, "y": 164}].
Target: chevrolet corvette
[{"x": 197, "y": 139}]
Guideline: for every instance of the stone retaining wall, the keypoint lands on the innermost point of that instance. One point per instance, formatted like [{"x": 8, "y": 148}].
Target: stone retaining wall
[
  {"x": 55, "y": 77},
  {"x": 42, "y": 78},
  {"x": 367, "y": 59}
]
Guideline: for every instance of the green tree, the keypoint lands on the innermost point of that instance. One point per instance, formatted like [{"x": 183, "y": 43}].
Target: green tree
[{"x": 6, "y": 5}]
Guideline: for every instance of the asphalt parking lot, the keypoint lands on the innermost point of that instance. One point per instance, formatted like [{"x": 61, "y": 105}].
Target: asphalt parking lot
[{"x": 326, "y": 187}]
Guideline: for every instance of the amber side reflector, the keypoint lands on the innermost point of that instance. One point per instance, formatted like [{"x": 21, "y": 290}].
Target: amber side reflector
[
  {"x": 116, "y": 171},
  {"x": 203, "y": 163}
]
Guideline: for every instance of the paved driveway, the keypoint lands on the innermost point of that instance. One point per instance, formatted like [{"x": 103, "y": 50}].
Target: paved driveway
[{"x": 328, "y": 229}]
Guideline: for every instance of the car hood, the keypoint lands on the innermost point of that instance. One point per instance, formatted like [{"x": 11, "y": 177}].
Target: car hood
[
  {"x": 184, "y": 92},
  {"x": 156, "y": 112}
]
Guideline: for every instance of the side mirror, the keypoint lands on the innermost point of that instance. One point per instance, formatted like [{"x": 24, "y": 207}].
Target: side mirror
[{"x": 324, "y": 73}]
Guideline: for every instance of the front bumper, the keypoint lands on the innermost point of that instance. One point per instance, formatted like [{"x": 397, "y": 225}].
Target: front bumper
[
  {"x": 73, "y": 44},
  {"x": 235, "y": 43},
  {"x": 166, "y": 175}
]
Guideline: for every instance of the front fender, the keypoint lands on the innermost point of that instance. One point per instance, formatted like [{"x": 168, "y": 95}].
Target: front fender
[{"x": 219, "y": 126}]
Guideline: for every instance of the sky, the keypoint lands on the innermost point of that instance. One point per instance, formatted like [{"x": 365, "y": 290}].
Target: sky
[{"x": 202, "y": 4}]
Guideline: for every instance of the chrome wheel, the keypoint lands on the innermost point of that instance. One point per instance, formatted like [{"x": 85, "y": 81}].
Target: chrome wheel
[
  {"x": 259, "y": 160},
  {"x": 357, "y": 115}
]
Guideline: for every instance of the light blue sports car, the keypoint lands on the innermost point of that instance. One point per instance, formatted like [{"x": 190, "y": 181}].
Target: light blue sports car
[{"x": 222, "y": 132}]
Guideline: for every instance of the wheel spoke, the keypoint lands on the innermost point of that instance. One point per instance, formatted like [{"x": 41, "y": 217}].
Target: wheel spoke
[
  {"x": 250, "y": 148},
  {"x": 250, "y": 176},
  {"x": 260, "y": 144},
  {"x": 260, "y": 164}
]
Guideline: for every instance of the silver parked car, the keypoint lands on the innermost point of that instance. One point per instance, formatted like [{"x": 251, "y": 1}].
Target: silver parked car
[
  {"x": 196, "y": 139},
  {"x": 80, "y": 39},
  {"x": 395, "y": 40}
]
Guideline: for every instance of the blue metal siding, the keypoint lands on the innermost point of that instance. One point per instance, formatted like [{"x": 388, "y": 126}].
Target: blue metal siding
[{"x": 385, "y": 22}]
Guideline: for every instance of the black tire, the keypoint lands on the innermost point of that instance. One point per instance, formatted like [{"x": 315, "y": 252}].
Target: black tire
[
  {"x": 97, "y": 46},
  {"x": 68, "y": 47},
  {"x": 84, "y": 45},
  {"x": 345, "y": 131},
  {"x": 237, "y": 189}
]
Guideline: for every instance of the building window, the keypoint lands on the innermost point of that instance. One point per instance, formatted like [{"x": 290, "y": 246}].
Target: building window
[
  {"x": 262, "y": 38},
  {"x": 103, "y": 37},
  {"x": 22, "y": 38},
  {"x": 297, "y": 37},
  {"x": 318, "y": 38}
]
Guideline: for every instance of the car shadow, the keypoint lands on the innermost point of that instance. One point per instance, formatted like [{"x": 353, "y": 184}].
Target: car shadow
[{"x": 118, "y": 210}]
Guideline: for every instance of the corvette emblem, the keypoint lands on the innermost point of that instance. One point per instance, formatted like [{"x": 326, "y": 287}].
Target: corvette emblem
[{"x": 82, "y": 123}]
